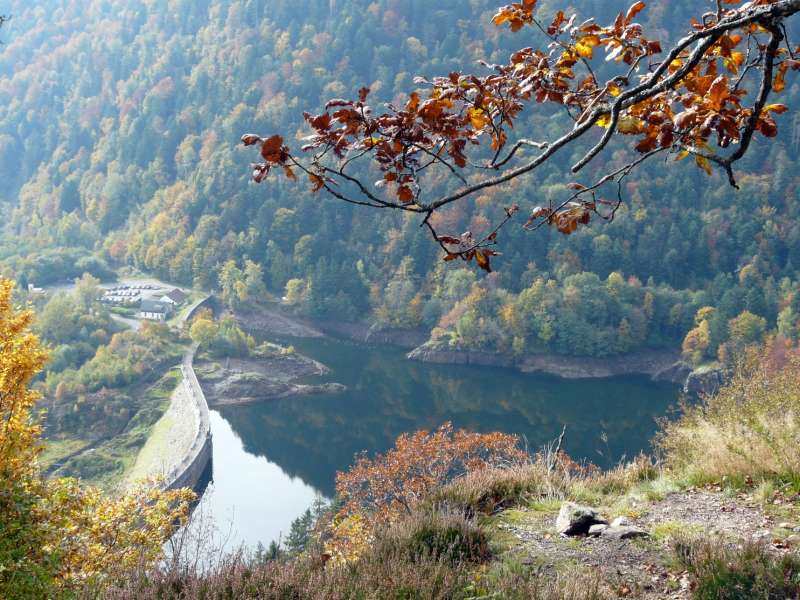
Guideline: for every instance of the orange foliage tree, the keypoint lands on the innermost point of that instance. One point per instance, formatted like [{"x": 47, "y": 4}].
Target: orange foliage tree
[
  {"x": 705, "y": 97},
  {"x": 376, "y": 491},
  {"x": 419, "y": 463}
]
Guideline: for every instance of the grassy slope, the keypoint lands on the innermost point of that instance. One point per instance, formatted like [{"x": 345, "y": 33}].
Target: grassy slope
[
  {"x": 166, "y": 442},
  {"x": 106, "y": 463}
]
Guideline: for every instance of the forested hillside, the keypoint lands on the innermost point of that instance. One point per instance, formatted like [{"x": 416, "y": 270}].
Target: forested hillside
[{"x": 119, "y": 144}]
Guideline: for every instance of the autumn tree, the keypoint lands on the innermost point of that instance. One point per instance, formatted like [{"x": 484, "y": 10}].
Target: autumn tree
[
  {"x": 233, "y": 284},
  {"x": 56, "y": 535},
  {"x": 705, "y": 98},
  {"x": 697, "y": 345},
  {"x": 21, "y": 358},
  {"x": 746, "y": 329},
  {"x": 296, "y": 291},
  {"x": 203, "y": 331},
  {"x": 254, "y": 280},
  {"x": 376, "y": 491}
]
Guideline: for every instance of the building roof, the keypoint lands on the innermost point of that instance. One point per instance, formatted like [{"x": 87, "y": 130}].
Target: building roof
[
  {"x": 154, "y": 306},
  {"x": 177, "y": 296}
]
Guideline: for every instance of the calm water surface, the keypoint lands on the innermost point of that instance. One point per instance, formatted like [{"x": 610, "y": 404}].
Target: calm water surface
[{"x": 271, "y": 460}]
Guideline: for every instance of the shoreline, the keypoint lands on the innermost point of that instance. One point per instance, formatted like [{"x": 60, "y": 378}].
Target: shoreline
[
  {"x": 258, "y": 379},
  {"x": 659, "y": 365}
]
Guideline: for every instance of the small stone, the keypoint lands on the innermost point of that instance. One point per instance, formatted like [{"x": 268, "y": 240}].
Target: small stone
[
  {"x": 796, "y": 529},
  {"x": 624, "y": 533},
  {"x": 621, "y": 522},
  {"x": 597, "y": 530},
  {"x": 685, "y": 582},
  {"x": 785, "y": 525},
  {"x": 574, "y": 519}
]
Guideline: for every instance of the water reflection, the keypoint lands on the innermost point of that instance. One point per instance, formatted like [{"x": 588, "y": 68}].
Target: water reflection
[
  {"x": 251, "y": 499},
  {"x": 311, "y": 438}
]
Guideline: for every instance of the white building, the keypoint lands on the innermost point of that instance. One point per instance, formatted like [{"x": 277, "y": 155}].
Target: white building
[
  {"x": 154, "y": 310},
  {"x": 174, "y": 298}
]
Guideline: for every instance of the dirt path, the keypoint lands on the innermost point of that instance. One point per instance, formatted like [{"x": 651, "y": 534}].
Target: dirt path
[{"x": 641, "y": 568}]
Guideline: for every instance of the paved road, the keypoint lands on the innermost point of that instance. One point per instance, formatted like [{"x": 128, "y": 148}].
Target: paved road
[{"x": 134, "y": 324}]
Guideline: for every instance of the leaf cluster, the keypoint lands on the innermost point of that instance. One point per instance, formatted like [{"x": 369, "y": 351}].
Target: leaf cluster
[{"x": 687, "y": 101}]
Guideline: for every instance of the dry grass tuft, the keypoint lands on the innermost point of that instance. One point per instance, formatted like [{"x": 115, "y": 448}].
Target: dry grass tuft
[
  {"x": 749, "y": 429},
  {"x": 489, "y": 490},
  {"x": 747, "y": 571}
]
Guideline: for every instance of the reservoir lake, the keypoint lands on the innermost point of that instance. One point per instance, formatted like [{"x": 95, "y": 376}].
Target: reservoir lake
[{"x": 272, "y": 459}]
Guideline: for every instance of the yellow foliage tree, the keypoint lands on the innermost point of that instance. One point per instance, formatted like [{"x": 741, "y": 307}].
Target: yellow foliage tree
[
  {"x": 57, "y": 536},
  {"x": 21, "y": 358},
  {"x": 695, "y": 344}
]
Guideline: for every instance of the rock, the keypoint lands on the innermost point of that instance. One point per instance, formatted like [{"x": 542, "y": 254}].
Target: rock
[
  {"x": 704, "y": 381},
  {"x": 261, "y": 378},
  {"x": 675, "y": 373},
  {"x": 624, "y": 533},
  {"x": 597, "y": 530},
  {"x": 762, "y": 534},
  {"x": 621, "y": 522},
  {"x": 785, "y": 526},
  {"x": 574, "y": 519},
  {"x": 437, "y": 352}
]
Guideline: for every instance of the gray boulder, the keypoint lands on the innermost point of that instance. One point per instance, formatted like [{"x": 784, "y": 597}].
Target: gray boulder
[
  {"x": 624, "y": 532},
  {"x": 574, "y": 519},
  {"x": 597, "y": 530},
  {"x": 704, "y": 381},
  {"x": 675, "y": 373}
]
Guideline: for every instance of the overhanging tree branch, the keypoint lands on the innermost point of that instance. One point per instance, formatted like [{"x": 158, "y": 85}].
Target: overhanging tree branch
[{"x": 686, "y": 101}]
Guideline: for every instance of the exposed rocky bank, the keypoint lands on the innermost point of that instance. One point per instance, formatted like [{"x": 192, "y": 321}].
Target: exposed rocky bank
[
  {"x": 237, "y": 381},
  {"x": 272, "y": 320},
  {"x": 659, "y": 365}
]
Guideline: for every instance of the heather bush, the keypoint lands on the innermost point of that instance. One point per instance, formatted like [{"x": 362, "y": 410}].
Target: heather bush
[{"x": 437, "y": 535}]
